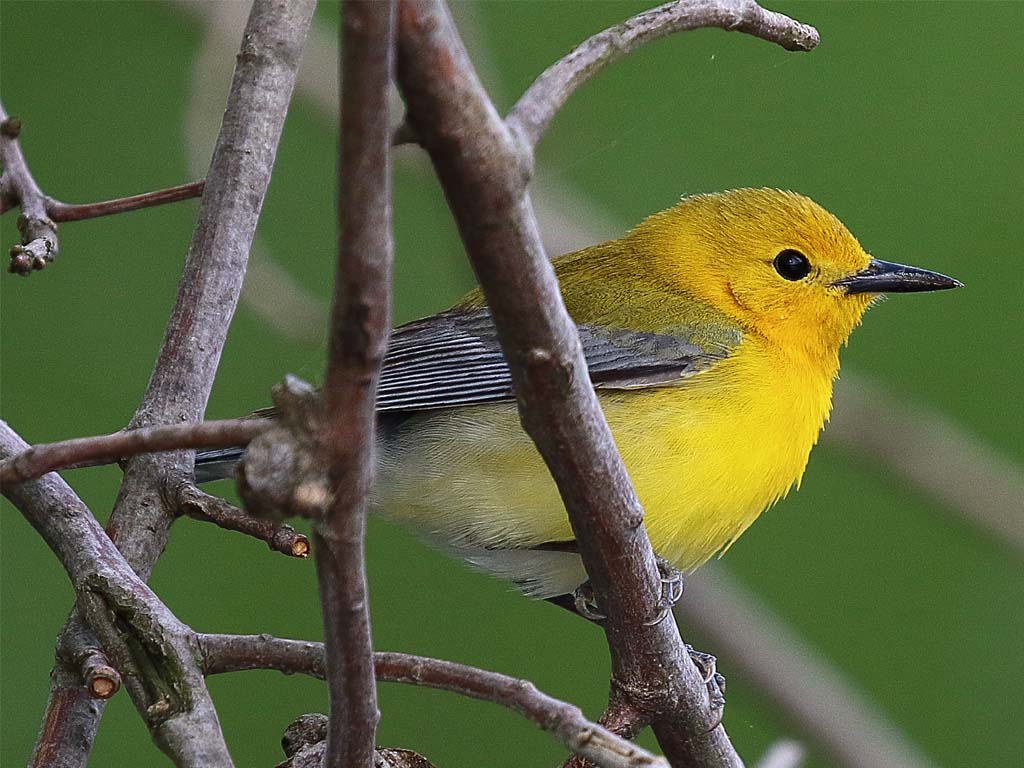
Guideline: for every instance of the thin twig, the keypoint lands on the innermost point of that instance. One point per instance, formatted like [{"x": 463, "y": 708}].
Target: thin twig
[
  {"x": 61, "y": 212},
  {"x": 537, "y": 107},
  {"x": 238, "y": 653},
  {"x": 232, "y": 653},
  {"x": 360, "y": 323},
  {"x": 39, "y": 242},
  {"x": 41, "y": 213},
  {"x": 564, "y": 720},
  {"x": 171, "y": 694},
  {"x": 236, "y": 183},
  {"x": 107, "y": 449},
  {"x": 202, "y": 506},
  {"x": 482, "y": 172},
  {"x": 621, "y": 718}
]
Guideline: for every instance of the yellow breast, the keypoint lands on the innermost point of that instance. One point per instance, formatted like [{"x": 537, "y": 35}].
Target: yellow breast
[{"x": 708, "y": 457}]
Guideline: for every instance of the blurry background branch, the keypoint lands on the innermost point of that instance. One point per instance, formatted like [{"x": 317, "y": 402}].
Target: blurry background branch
[{"x": 929, "y": 451}]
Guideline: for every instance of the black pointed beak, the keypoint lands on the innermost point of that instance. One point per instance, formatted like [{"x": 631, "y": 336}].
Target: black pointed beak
[{"x": 886, "y": 277}]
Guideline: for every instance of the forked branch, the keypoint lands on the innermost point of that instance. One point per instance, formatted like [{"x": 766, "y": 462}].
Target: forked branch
[
  {"x": 107, "y": 449},
  {"x": 537, "y": 107},
  {"x": 138, "y": 632},
  {"x": 232, "y": 653},
  {"x": 17, "y": 187},
  {"x": 41, "y": 213},
  {"x": 182, "y": 378}
]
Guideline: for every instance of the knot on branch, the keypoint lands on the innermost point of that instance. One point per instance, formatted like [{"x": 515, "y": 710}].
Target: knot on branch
[
  {"x": 304, "y": 731},
  {"x": 305, "y": 744},
  {"x": 282, "y": 474},
  {"x": 38, "y": 244},
  {"x": 156, "y": 654},
  {"x": 11, "y": 127}
]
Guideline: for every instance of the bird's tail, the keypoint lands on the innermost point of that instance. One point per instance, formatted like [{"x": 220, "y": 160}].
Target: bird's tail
[{"x": 217, "y": 464}]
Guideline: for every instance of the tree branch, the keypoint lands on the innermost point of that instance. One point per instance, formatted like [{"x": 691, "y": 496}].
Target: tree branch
[
  {"x": 40, "y": 213},
  {"x": 38, "y": 232},
  {"x": 784, "y": 753},
  {"x": 238, "y": 653},
  {"x": 107, "y": 449},
  {"x": 621, "y": 718},
  {"x": 360, "y": 324},
  {"x": 170, "y": 692},
  {"x": 202, "y": 506},
  {"x": 77, "y": 649},
  {"x": 535, "y": 110},
  {"x": 62, "y": 212},
  {"x": 481, "y": 169},
  {"x": 236, "y": 183},
  {"x": 69, "y": 723},
  {"x": 232, "y": 653}
]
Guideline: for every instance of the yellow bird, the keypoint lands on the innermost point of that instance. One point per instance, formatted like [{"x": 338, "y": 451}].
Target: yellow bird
[{"x": 712, "y": 334}]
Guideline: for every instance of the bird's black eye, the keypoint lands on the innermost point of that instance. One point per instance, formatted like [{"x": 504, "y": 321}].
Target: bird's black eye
[{"x": 792, "y": 265}]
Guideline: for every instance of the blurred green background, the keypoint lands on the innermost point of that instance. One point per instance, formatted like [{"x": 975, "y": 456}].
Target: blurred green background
[{"x": 906, "y": 122}]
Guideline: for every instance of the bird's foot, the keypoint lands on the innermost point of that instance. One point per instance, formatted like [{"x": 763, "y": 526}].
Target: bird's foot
[
  {"x": 707, "y": 665},
  {"x": 585, "y": 602},
  {"x": 672, "y": 586},
  {"x": 671, "y": 592}
]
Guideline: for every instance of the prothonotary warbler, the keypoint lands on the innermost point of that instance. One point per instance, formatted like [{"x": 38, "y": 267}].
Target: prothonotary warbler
[{"x": 712, "y": 333}]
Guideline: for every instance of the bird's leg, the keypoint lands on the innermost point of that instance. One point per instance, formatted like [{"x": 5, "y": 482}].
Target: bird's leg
[
  {"x": 672, "y": 586},
  {"x": 585, "y": 603},
  {"x": 671, "y": 592},
  {"x": 707, "y": 666}
]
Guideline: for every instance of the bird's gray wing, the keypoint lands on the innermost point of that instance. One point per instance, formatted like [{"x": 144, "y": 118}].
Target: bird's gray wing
[{"x": 454, "y": 359}]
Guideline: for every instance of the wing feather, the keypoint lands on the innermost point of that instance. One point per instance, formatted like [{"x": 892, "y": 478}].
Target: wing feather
[{"x": 454, "y": 359}]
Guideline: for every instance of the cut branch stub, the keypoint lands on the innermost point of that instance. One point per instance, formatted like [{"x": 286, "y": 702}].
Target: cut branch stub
[{"x": 281, "y": 474}]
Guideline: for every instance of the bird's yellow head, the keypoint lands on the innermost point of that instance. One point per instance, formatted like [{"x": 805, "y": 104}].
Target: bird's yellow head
[{"x": 776, "y": 262}]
